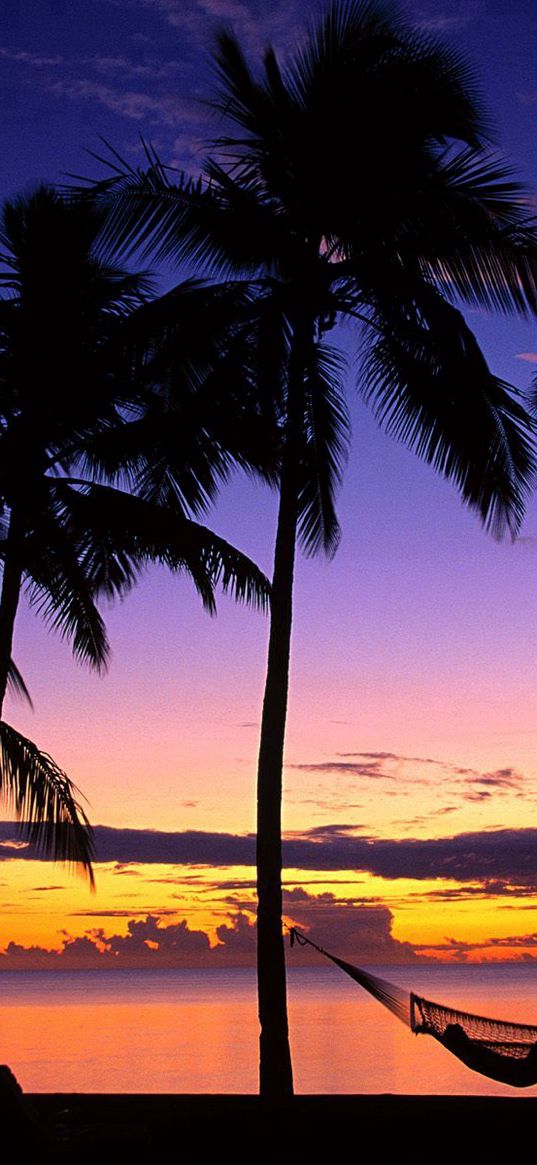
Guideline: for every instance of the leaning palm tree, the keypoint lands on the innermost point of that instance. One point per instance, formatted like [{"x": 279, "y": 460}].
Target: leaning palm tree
[
  {"x": 356, "y": 184},
  {"x": 74, "y": 393}
]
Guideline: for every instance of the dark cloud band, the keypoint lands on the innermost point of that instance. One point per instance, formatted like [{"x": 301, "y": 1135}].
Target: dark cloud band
[{"x": 506, "y": 854}]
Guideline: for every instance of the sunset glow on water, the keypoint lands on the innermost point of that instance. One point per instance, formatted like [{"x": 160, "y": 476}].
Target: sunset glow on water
[{"x": 188, "y": 1032}]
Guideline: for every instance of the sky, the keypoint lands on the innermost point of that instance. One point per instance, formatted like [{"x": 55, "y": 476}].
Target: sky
[{"x": 410, "y": 804}]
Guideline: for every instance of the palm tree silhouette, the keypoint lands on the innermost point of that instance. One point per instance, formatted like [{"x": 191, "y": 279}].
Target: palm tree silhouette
[
  {"x": 73, "y": 392},
  {"x": 355, "y": 184}
]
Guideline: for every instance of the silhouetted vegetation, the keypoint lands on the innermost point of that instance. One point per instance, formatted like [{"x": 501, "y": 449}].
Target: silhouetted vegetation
[
  {"x": 80, "y": 398},
  {"x": 356, "y": 183}
]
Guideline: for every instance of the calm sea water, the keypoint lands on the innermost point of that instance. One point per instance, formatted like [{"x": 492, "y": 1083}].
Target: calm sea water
[{"x": 191, "y": 1031}]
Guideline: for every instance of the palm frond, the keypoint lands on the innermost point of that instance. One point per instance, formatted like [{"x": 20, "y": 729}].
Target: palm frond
[
  {"x": 239, "y": 96},
  {"x": 204, "y": 358},
  {"x": 16, "y": 685},
  {"x": 60, "y": 590},
  {"x": 45, "y": 236},
  {"x": 327, "y": 434},
  {"x": 45, "y": 802},
  {"x": 117, "y": 534},
  {"x": 216, "y": 223},
  {"x": 358, "y": 57},
  {"x": 475, "y": 233},
  {"x": 533, "y": 396},
  {"x": 430, "y": 387}
]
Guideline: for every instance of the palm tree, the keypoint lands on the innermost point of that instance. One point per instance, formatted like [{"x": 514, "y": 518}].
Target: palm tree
[
  {"x": 73, "y": 395},
  {"x": 356, "y": 184}
]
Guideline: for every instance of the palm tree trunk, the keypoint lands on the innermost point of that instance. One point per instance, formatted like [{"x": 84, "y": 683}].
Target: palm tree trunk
[
  {"x": 9, "y": 598},
  {"x": 276, "y": 1073}
]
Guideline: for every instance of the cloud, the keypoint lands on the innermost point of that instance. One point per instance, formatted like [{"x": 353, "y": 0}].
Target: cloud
[
  {"x": 468, "y": 784},
  {"x": 144, "y": 90},
  {"x": 530, "y": 357},
  {"x": 146, "y": 939},
  {"x": 37, "y": 60},
  {"x": 377, "y": 756},
  {"x": 154, "y": 70},
  {"x": 147, "y": 944},
  {"x": 507, "y": 854},
  {"x": 255, "y": 26},
  {"x": 453, "y": 18},
  {"x": 388, "y": 766},
  {"x": 360, "y": 931},
  {"x": 357, "y": 929},
  {"x": 345, "y": 768},
  {"x": 142, "y": 912},
  {"x": 487, "y": 888},
  {"x": 512, "y": 947},
  {"x": 165, "y": 109},
  {"x": 499, "y": 779},
  {"x": 237, "y": 939},
  {"x": 482, "y": 786}
]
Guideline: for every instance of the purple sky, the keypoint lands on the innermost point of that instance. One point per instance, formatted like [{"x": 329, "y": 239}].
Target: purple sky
[{"x": 420, "y": 639}]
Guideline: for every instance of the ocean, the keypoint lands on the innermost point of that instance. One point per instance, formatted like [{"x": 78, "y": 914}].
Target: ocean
[{"x": 196, "y": 1031}]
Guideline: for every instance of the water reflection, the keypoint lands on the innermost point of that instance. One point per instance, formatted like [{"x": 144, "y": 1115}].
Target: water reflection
[{"x": 197, "y": 1032}]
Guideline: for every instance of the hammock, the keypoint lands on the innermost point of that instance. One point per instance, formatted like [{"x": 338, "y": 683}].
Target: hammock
[{"x": 502, "y": 1051}]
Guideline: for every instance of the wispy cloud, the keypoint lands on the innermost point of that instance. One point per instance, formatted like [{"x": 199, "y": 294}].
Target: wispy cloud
[
  {"x": 36, "y": 60},
  {"x": 144, "y": 90},
  {"x": 467, "y": 784},
  {"x": 438, "y": 18},
  {"x": 165, "y": 109},
  {"x": 45, "y": 889},
  {"x": 141, "y": 912},
  {"x": 482, "y": 786},
  {"x": 347, "y": 768},
  {"x": 153, "y": 69},
  {"x": 256, "y": 26}
]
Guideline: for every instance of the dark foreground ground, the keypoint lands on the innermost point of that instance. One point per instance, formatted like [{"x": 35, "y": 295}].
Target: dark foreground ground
[{"x": 243, "y": 1129}]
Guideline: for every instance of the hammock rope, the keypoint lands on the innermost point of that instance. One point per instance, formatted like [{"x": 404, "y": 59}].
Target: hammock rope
[
  {"x": 501, "y": 1050},
  {"x": 396, "y": 999}
]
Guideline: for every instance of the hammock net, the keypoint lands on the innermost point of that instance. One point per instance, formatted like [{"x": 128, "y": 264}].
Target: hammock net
[
  {"x": 497, "y": 1035},
  {"x": 503, "y": 1051}
]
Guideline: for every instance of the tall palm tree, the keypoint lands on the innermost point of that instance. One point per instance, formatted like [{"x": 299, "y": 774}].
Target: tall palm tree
[
  {"x": 355, "y": 184},
  {"x": 75, "y": 354}
]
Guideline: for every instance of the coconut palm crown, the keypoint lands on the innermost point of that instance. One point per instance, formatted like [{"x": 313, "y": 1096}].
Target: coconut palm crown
[
  {"x": 80, "y": 389},
  {"x": 356, "y": 183}
]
